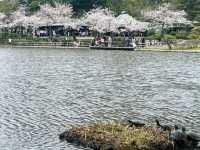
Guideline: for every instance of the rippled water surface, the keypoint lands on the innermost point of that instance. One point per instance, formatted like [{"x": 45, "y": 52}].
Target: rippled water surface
[{"x": 44, "y": 90}]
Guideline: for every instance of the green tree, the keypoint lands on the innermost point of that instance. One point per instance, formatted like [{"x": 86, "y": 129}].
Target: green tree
[
  {"x": 8, "y": 6},
  {"x": 192, "y": 7},
  {"x": 85, "y": 5},
  {"x": 34, "y": 6}
]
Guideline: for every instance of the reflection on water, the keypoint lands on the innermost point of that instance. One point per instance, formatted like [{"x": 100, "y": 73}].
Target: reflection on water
[{"x": 44, "y": 90}]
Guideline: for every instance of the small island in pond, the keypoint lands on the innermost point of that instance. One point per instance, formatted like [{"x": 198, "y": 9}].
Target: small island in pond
[{"x": 130, "y": 136}]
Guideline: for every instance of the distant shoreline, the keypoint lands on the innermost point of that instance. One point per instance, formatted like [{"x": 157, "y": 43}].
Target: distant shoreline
[{"x": 138, "y": 49}]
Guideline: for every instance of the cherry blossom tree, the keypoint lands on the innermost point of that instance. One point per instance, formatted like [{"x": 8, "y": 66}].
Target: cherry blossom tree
[
  {"x": 165, "y": 17},
  {"x": 130, "y": 23},
  {"x": 77, "y": 22},
  {"x": 18, "y": 17},
  {"x": 60, "y": 14},
  {"x": 102, "y": 20},
  {"x": 5, "y": 20},
  {"x": 47, "y": 15},
  {"x": 141, "y": 26}
]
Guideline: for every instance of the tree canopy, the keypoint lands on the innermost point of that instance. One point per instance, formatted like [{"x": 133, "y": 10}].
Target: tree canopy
[{"x": 133, "y": 7}]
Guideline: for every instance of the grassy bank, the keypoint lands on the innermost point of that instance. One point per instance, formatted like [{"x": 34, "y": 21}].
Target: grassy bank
[{"x": 116, "y": 136}]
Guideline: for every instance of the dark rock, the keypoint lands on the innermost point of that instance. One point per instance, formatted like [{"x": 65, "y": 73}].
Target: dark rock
[
  {"x": 178, "y": 136},
  {"x": 62, "y": 136},
  {"x": 193, "y": 137},
  {"x": 69, "y": 137},
  {"x": 193, "y": 140}
]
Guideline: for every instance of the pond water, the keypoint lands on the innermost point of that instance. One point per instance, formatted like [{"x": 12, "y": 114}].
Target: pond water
[{"x": 44, "y": 90}]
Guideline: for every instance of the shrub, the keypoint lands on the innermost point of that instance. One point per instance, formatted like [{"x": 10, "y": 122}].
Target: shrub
[
  {"x": 182, "y": 35},
  {"x": 195, "y": 33},
  {"x": 156, "y": 36},
  {"x": 168, "y": 37}
]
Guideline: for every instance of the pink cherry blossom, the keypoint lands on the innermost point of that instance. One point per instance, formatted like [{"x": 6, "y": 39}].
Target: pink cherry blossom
[
  {"x": 102, "y": 20},
  {"x": 166, "y": 17}
]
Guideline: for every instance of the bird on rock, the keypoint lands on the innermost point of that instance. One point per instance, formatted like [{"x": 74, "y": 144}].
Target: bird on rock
[{"x": 163, "y": 127}]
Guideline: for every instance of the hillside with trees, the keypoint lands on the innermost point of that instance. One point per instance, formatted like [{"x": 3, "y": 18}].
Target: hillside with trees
[{"x": 133, "y": 7}]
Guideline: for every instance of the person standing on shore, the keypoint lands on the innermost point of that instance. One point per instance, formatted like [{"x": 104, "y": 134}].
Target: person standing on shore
[
  {"x": 105, "y": 41},
  {"x": 98, "y": 41},
  {"x": 134, "y": 43},
  {"x": 109, "y": 41},
  {"x": 10, "y": 41}
]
